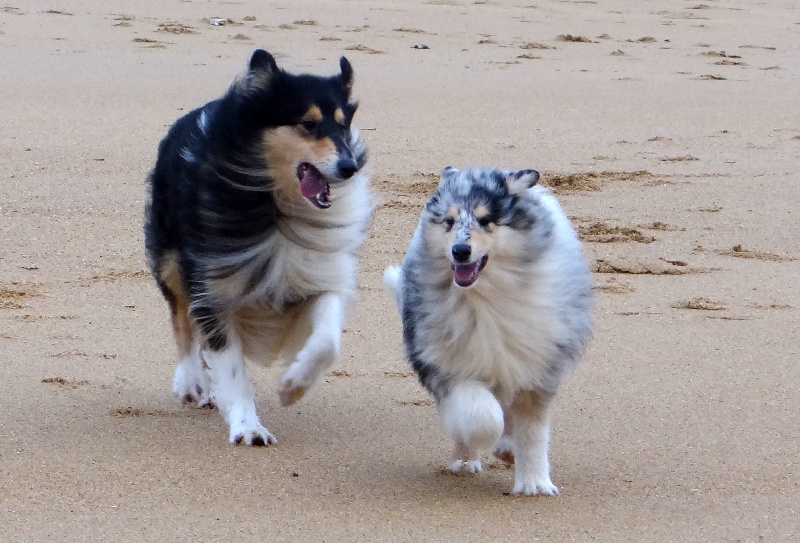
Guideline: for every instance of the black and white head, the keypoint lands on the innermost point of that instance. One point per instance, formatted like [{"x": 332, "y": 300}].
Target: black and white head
[
  {"x": 477, "y": 215},
  {"x": 309, "y": 142}
]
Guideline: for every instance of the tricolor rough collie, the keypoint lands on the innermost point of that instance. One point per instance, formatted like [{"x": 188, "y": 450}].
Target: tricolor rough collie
[{"x": 259, "y": 202}]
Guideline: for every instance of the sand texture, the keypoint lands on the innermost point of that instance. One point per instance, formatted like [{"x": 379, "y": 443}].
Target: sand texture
[{"x": 668, "y": 129}]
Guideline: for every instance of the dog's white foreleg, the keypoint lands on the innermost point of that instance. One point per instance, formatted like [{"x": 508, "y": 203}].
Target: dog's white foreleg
[
  {"x": 472, "y": 416},
  {"x": 191, "y": 384},
  {"x": 233, "y": 395},
  {"x": 320, "y": 350},
  {"x": 530, "y": 413}
]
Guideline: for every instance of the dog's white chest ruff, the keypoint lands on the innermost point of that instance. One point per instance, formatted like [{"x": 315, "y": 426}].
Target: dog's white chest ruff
[{"x": 502, "y": 337}]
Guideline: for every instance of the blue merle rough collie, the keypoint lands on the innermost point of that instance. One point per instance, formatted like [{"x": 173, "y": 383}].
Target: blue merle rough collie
[
  {"x": 495, "y": 299},
  {"x": 258, "y": 204}
]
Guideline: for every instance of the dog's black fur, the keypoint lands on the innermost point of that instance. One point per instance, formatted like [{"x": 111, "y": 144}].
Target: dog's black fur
[
  {"x": 219, "y": 202},
  {"x": 258, "y": 205}
]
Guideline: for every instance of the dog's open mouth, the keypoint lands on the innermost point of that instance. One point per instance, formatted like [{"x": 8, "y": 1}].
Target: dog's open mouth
[
  {"x": 466, "y": 274},
  {"x": 313, "y": 185}
]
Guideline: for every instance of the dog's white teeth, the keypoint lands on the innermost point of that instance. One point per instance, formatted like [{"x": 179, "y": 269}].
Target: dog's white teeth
[{"x": 322, "y": 199}]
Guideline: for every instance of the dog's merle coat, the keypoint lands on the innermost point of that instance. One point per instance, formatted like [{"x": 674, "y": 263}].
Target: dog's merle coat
[
  {"x": 495, "y": 301},
  {"x": 258, "y": 205}
]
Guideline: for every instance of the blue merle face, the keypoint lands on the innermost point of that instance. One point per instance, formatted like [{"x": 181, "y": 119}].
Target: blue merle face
[{"x": 474, "y": 213}]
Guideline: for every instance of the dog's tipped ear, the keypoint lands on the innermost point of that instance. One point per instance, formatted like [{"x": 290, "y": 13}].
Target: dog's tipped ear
[
  {"x": 347, "y": 73},
  {"x": 263, "y": 62},
  {"x": 448, "y": 172},
  {"x": 521, "y": 180}
]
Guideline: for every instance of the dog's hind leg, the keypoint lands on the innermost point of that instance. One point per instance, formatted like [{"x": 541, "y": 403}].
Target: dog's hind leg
[
  {"x": 320, "y": 351},
  {"x": 472, "y": 416},
  {"x": 191, "y": 384},
  {"x": 530, "y": 437}
]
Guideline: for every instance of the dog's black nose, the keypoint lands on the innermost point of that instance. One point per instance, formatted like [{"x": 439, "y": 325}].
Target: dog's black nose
[
  {"x": 347, "y": 167},
  {"x": 461, "y": 252}
]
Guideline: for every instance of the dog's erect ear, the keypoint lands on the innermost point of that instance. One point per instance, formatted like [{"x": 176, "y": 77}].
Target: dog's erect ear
[
  {"x": 521, "y": 180},
  {"x": 263, "y": 62},
  {"x": 447, "y": 173},
  {"x": 347, "y": 73}
]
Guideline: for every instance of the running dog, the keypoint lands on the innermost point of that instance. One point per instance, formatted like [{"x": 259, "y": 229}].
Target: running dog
[
  {"x": 495, "y": 299},
  {"x": 258, "y": 204}
]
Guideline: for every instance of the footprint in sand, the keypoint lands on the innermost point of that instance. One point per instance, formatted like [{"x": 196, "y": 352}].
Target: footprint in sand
[
  {"x": 175, "y": 28},
  {"x": 364, "y": 49},
  {"x": 700, "y": 303},
  {"x": 600, "y": 232},
  {"x": 740, "y": 252},
  {"x": 614, "y": 286},
  {"x": 410, "y": 30},
  {"x": 16, "y": 295},
  {"x": 64, "y": 383},
  {"x": 663, "y": 267},
  {"x": 573, "y": 39},
  {"x": 589, "y": 181}
]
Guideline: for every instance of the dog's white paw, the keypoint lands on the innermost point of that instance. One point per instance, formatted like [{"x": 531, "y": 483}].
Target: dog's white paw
[
  {"x": 292, "y": 389},
  {"x": 304, "y": 373},
  {"x": 191, "y": 385},
  {"x": 535, "y": 487},
  {"x": 467, "y": 466},
  {"x": 253, "y": 434}
]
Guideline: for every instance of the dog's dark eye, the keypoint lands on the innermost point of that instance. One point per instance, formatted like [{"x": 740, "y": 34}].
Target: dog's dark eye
[
  {"x": 484, "y": 222},
  {"x": 309, "y": 125},
  {"x": 449, "y": 222}
]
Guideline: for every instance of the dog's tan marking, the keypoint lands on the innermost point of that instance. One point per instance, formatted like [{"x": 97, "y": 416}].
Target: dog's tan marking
[
  {"x": 285, "y": 148},
  {"x": 313, "y": 114},
  {"x": 338, "y": 115},
  {"x": 229, "y": 288},
  {"x": 182, "y": 326},
  {"x": 531, "y": 405},
  {"x": 480, "y": 211},
  {"x": 453, "y": 211}
]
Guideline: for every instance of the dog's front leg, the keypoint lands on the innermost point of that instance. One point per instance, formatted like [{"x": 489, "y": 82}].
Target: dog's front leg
[
  {"x": 530, "y": 437},
  {"x": 234, "y": 396},
  {"x": 472, "y": 416},
  {"x": 320, "y": 350}
]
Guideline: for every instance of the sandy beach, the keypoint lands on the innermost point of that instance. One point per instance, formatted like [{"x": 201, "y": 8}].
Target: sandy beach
[{"x": 670, "y": 132}]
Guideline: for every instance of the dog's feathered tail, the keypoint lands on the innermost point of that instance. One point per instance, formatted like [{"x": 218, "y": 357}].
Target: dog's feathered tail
[{"x": 391, "y": 280}]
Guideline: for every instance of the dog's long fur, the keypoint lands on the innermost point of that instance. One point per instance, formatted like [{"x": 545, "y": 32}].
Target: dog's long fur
[
  {"x": 258, "y": 204},
  {"x": 495, "y": 300}
]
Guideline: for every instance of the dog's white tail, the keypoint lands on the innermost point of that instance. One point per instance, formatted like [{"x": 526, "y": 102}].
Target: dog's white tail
[{"x": 391, "y": 280}]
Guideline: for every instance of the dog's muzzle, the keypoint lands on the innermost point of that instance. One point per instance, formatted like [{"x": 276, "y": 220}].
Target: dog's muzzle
[{"x": 466, "y": 273}]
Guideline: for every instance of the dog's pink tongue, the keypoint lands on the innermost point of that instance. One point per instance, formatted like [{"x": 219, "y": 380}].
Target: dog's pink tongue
[
  {"x": 465, "y": 274},
  {"x": 312, "y": 183}
]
